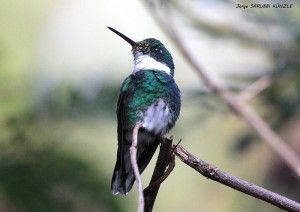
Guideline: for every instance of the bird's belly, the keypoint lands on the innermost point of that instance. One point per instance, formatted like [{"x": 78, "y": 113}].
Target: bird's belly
[{"x": 156, "y": 118}]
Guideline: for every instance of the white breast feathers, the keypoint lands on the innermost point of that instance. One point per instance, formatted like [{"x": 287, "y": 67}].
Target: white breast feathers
[{"x": 156, "y": 118}]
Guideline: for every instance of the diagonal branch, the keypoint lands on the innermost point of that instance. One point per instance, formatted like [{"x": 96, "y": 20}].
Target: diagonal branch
[
  {"x": 236, "y": 104},
  {"x": 220, "y": 176}
]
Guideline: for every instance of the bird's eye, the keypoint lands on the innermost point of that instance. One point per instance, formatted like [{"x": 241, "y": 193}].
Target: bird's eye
[{"x": 158, "y": 50}]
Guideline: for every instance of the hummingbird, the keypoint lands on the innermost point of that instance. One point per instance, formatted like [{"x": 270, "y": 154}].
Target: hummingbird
[{"x": 149, "y": 97}]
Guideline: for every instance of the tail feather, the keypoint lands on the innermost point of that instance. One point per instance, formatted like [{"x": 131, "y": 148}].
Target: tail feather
[{"x": 123, "y": 176}]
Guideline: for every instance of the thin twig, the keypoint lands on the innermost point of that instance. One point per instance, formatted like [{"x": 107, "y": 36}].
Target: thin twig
[
  {"x": 252, "y": 118},
  {"x": 133, "y": 151},
  {"x": 255, "y": 88},
  {"x": 214, "y": 173},
  {"x": 168, "y": 169},
  {"x": 162, "y": 162}
]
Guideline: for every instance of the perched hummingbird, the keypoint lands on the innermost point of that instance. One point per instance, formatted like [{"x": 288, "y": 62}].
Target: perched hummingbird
[{"x": 149, "y": 97}]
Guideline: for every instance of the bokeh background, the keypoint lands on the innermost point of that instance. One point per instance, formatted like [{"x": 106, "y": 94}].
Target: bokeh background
[{"x": 60, "y": 71}]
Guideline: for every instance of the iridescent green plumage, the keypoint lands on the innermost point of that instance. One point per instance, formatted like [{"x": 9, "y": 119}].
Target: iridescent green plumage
[{"x": 143, "y": 89}]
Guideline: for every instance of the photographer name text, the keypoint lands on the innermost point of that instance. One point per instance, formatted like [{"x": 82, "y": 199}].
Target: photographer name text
[{"x": 264, "y": 6}]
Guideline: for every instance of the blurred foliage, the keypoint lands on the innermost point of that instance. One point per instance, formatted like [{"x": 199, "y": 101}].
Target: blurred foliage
[
  {"x": 283, "y": 99},
  {"x": 36, "y": 176},
  {"x": 68, "y": 100}
]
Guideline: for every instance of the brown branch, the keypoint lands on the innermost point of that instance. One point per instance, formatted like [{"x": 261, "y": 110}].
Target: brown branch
[
  {"x": 133, "y": 151},
  {"x": 214, "y": 173},
  {"x": 279, "y": 146},
  {"x": 158, "y": 176}
]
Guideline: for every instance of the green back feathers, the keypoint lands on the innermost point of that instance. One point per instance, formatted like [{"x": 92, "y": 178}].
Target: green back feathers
[{"x": 139, "y": 91}]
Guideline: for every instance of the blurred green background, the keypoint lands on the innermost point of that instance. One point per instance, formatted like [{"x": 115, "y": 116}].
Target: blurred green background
[{"x": 60, "y": 71}]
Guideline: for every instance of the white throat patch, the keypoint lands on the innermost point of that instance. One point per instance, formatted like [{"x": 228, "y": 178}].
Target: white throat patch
[{"x": 144, "y": 62}]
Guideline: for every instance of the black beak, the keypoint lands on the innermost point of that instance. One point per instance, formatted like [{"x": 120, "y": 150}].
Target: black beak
[{"x": 131, "y": 42}]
